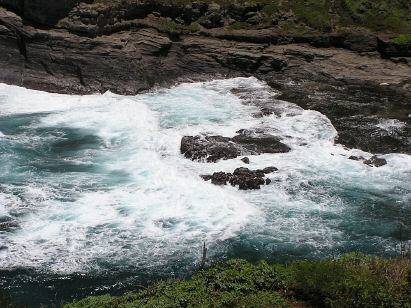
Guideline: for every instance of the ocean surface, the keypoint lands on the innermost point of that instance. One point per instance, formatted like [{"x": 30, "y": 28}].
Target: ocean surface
[{"x": 95, "y": 196}]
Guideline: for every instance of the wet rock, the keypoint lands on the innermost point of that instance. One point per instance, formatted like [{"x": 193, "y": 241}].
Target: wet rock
[
  {"x": 206, "y": 177},
  {"x": 8, "y": 224},
  {"x": 366, "y": 133},
  {"x": 220, "y": 178},
  {"x": 269, "y": 170},
  {"x": 375, "y": 161},
  {"x": 263, "y": 113},
  {"x": 245, "y": 160},
  {"x": 214, "y": 148},
  {"x": 361, "y": 113},
  {"x": 211, "y": 148},
  {"x": 244, "y": 178},
  {"x": 260, "y": 143},
  {"x": 352, "y": 157}
]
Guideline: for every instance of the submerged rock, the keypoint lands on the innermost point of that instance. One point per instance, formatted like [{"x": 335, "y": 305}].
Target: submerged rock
[
  {"x": 214, "y": 148},
  {"x": 243, "y": 177}
]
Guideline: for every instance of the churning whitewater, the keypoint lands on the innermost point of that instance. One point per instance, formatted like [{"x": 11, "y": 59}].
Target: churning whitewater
[{"x": 96, "y": 184}]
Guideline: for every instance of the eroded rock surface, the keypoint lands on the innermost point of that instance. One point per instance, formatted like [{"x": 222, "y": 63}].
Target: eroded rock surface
[
  {"x": 373, "y": 118},
  {"x": 214, "y": 148},
  {"x": 244, "y": 178}
]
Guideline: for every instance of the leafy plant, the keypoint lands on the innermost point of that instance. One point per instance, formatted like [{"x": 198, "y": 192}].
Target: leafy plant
[
  {"x": 353, "y": 280},
  {"x": 402, "y": 39}
]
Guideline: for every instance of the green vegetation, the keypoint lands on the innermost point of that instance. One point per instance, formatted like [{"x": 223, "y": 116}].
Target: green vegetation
[
  {"x": 314, "y": 13},
  {"x": 402, "y": 39},
  {"x": 354, "y": 280},
  {"x": 238, "y": 25},
  {"x": 322, "y": 15},
  {"x": 172, "y": 27},
  {"x": 394, "y": 15}
]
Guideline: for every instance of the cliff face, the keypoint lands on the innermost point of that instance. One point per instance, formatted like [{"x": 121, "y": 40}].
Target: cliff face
[{"x": 130, "y": 46}]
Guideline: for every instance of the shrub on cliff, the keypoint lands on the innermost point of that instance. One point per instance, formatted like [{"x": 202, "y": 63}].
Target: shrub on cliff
[{"x": 354, "y": 280}]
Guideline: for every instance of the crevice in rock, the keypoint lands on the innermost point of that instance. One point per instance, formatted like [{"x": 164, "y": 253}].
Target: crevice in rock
[
  {"x": 46, "y": 68},
  {"x": 21, "y": 43},
  {"x": 80, "y": 75}
]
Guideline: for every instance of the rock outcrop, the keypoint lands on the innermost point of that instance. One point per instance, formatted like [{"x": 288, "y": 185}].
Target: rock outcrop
[
  {"x": 244, "y": 178},
  {"x": 373, "y": 161},
  {"x": 214, "y": 148}
]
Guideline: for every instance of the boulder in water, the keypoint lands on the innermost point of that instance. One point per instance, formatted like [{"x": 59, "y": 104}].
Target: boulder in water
[
  {"x": 214, "y": 148},
  {"x": 375, "y": 161},
  {"x": 243, "y": 177}
]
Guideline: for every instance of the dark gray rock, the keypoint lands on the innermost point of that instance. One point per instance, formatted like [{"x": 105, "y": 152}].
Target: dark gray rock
[
  {"x": 375, "y": 161},
  {"x": 211, "y": 148},
  {"x": 47, "y": 12},
  {"x": 391, "y": 49},
  {"x": 214, "y": 148},
  {"x": 356, "y": 112},
  {"x": 356, "y": 158},
  {"x": 355, "y": 40},
  {"x": 245, "y": 160},
  {"x": 260, "y": 143},
  {"x": 244, "y": 178}
]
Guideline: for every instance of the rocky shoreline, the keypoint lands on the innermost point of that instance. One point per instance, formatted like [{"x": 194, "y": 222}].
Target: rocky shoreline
[{"x": 358, "y": 79}]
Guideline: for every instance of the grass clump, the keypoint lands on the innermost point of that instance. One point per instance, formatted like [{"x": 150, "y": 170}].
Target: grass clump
[
  {"x": 354, "y": 280},
  {"x": 314, "y": 13},
  {"x": 394, "y": 15},
  {"x": 175, "y": 28},
  {"x": 238, "y": 25},
  {"x": 402, "y": 39}
]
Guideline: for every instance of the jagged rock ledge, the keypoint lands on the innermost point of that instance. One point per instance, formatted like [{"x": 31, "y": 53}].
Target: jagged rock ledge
[
  {"x": 245, "y": 178},
  {"x": 214, "y": 148}
]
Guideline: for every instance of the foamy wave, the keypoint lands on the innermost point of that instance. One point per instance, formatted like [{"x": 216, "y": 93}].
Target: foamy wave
[{"x": 94, "y": 181}]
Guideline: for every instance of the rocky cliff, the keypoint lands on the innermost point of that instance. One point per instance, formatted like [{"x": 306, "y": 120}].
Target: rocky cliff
[{"x": 130, "y": 46}]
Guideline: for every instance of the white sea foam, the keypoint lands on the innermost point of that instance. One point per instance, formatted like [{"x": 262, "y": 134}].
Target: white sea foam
[
  {"x": 391, "y": 125},
  {"x": 141, "y": 201}
]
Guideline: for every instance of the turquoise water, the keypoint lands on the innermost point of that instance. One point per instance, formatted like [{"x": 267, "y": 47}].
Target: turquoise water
[{"x": 95, "y": 196}]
